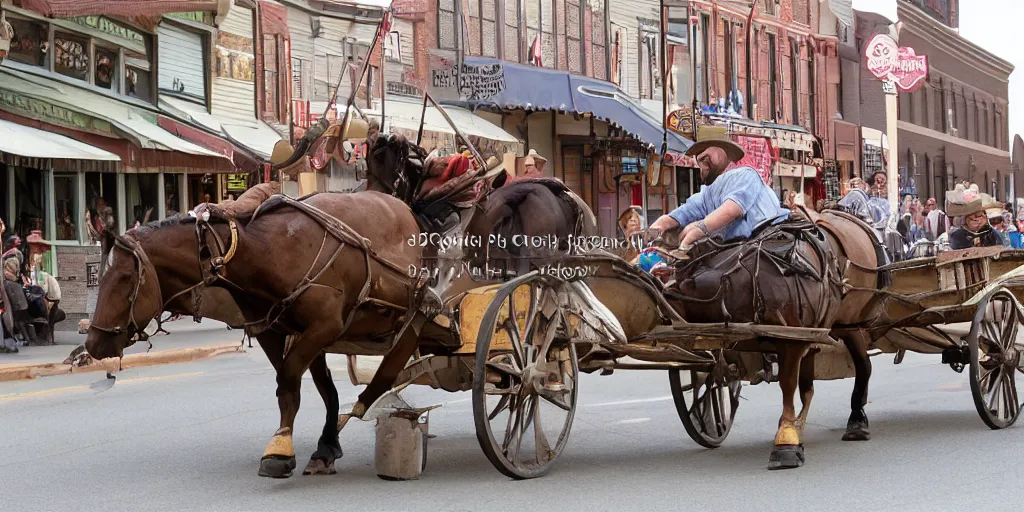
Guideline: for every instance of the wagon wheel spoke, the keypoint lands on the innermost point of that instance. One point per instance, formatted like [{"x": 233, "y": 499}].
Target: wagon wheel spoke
[
  {"x": 543, "y": 448},
  {"x": 503, "y": 404},
  {"x": 531, "y": 317},
  {"x": 512, "y": 430},
  {"x": 511, "y": 325},
  {"x": 698, "y": 409}
]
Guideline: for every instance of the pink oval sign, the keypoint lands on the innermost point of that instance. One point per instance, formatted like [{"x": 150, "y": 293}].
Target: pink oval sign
[{"x": 888, "y": 61}]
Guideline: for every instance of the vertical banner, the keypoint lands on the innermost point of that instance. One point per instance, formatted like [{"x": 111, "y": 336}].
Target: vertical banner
[{"x": 266, "y": 173}]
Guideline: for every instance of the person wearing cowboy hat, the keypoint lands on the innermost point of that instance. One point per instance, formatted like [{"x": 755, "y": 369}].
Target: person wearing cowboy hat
[
  {"x": 975, "y": 231},
  {"x": 534, "y": 165},
  {"x": 731, "y": 203}
]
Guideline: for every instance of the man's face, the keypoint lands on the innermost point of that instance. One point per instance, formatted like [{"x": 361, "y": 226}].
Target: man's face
[
  {"x": 930, "y": 205},
  {"x": 712, "y": 162}
]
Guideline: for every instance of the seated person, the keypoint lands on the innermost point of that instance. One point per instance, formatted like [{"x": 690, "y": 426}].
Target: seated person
[
  {"x": 975, "y": 232},
  {"x": 732, "y": 203}
]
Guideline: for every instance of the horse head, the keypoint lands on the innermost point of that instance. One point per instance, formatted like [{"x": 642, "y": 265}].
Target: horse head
[
  {"x": 129, "y": 297},
  {"x": 394, "y": 165}
]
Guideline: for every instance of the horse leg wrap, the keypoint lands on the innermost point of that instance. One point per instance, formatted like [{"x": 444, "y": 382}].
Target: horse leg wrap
[
  {"x": 281, "y": 444},
  {"x": 788, "y": 434}
]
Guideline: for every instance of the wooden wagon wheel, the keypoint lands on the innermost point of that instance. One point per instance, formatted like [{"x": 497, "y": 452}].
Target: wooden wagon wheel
[
  {"x": 706, "y": 402},
  {"x": 526, "y": 378},
  {"x": 997, "y": 359}
]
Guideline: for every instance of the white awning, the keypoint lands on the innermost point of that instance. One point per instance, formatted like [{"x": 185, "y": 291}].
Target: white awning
[
  {"x": 30, "y": 142},
  {"x": 255, "y": 135},
  {"x": 405, "y": 115},
  {"x": 163, "y": 139},
  {"x": 886, "y": 8}
]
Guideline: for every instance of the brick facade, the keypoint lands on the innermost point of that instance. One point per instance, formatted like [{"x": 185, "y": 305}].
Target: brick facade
[
  {"x": 78, "y": 299},
  {"x": 956, "y": 126}
]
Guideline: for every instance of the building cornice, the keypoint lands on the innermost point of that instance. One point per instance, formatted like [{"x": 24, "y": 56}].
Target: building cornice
[
  {"x": 949, "y": 139},
  {"x": 950, "y": 41}
]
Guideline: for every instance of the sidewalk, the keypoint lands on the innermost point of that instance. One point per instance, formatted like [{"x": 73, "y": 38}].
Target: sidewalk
[{"x": 187, "y": 341}]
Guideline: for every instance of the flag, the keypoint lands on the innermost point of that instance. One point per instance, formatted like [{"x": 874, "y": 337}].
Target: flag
[{"x": 536, "y": 56}]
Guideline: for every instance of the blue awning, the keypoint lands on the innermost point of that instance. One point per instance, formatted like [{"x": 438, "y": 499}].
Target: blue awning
[{"x": 534, "y": 88}]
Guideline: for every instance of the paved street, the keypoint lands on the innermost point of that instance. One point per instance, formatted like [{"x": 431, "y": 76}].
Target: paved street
[{"x": 189, "y": 437}]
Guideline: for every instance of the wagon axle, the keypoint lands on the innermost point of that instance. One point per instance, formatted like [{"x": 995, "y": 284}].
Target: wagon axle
[{"x": 957, "y": 357}]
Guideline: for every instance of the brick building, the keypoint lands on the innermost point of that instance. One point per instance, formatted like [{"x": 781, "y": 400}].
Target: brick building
[{"x": 953, "y": 128}]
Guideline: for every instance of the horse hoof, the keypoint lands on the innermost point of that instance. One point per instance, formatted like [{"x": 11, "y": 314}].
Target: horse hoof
[
  {"x": 276, "y": 466},
  {"x": 857, "y": 434},
  {"x": 319, "y": 467},
  {"x": 786, "y": 457}
]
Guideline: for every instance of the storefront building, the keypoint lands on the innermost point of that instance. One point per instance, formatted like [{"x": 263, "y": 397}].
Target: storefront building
[{"x": 83, "y": 130}]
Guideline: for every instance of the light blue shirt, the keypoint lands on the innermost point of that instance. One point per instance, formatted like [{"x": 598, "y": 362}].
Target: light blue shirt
[{"x": 745, "y": 188}]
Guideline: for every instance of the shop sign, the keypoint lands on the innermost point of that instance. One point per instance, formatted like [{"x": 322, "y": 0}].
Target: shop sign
[
  {"x": 679, "y": 121},
  {"x": 403, "y": 89},
  {"x": 888, "y": 61},
  {"x": 470, "y": 83},
  {"x": 92, "y": 274},
  {"x": 111, "y": 28},
  {"x": 47, "y": 112},
  {"x": 238, "y": 181}
]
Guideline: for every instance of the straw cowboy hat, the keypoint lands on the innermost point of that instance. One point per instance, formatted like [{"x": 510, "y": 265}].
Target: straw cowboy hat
[
  {"x": 533, "y": 157},
  {"x": 964, "y": 201},
  {"x": 732, "y": 150}
]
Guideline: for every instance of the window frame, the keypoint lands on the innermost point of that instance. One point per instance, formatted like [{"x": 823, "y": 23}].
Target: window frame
[
  {"x": 93, "y": 39},
  {"x": 274, "y": 110}
]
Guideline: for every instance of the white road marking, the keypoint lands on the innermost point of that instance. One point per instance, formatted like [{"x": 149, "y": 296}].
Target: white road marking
[
  {"x": 635, "y": 420},
  {"x": 627, "y": 402}
]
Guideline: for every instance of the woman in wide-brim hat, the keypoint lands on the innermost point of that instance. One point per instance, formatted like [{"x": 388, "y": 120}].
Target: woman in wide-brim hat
[{"x": 975, "y": 230}]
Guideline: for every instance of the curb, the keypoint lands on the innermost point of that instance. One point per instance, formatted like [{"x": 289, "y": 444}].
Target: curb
[{"x": 182, "y": 355}]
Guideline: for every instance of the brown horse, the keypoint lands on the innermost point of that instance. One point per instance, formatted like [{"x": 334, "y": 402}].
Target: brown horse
[
  {"x": 794, "y": 275},
  {"x": 334, "y": 285},
  {"x": 363, "y": 302}
]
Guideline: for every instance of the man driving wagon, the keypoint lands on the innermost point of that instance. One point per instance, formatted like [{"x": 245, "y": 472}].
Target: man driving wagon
[{"x": 733, "y": 202}]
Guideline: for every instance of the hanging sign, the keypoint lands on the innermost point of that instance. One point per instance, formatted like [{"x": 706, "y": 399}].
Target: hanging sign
[
  {"x": 888, "y": 61},
  {"x": 680, "y": 121},
  {"x": 757, "y": 154}
]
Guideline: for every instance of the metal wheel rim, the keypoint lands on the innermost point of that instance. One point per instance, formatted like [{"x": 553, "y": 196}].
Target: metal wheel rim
[
  {"x": 708, "y": 409},
  {"x": 996, "y": 361},
  {"x": 504, "y": 449}
]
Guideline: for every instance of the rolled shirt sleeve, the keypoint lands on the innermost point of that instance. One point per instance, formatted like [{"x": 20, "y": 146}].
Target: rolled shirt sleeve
[
  {"x": 745, "y": 189},
  {"x": 690, "y": 211}
]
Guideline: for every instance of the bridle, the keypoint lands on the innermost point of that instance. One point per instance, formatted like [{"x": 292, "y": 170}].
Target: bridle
[{"x": 135, "y": 333}]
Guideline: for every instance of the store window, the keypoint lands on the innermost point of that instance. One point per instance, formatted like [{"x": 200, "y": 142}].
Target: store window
[
  {"x": 138, "y": 80},
  {"x": 101, "y": 197},
  {"x": 30, "y": 42},
  {"x": 141, "y": 198},
  {"x": 66, "y": 208},
  {"x": 202, "y": 188},
  {"x": 71, "y": 55},
  {"x": 106, "y": 69},
  {"x": 29, "y": 202},
  {"x": 172, "y": 194}
]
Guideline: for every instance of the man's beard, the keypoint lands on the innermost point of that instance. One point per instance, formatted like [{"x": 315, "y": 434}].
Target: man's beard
[{"x": 711, "y": 177}]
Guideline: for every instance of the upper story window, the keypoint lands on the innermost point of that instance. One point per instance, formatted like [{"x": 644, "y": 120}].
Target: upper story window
[
  {"x": 540, "y": 33},
  {"x": 446, "y": 27},
  {"x": 71, "y": 55},
  {"x": 99, "y": 51},
  {"x": 598, "y": 38},
  {"x": 30, "y": 44}
]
